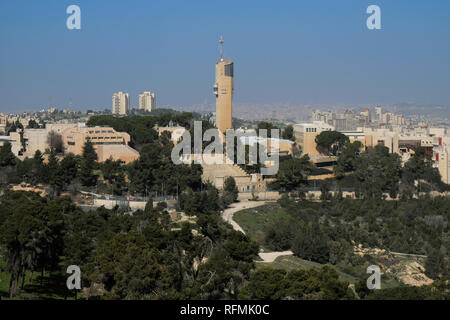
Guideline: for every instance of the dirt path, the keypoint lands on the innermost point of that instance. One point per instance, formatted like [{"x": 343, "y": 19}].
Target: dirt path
[
  {"x": 271, "y": 256},
  {"x": 227, "y": 215}
]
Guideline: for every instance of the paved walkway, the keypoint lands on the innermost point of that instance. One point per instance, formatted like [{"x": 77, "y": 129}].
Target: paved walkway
[{"x": 227, "y": 215}]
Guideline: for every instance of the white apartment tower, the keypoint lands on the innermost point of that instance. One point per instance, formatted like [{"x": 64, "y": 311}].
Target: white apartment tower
[
  {"x": 120, "y": 103},
  {"x": 147, "y": 101}
]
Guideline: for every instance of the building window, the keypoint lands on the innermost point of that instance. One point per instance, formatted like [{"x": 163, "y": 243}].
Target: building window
[{"x": 229, "y": 70}]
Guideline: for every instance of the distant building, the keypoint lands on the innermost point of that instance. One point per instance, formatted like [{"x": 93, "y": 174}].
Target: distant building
[
  {"x": 378, "y": 114},
  {"x": 120, "y": 103},
  {"x": 147, "y": 101}
]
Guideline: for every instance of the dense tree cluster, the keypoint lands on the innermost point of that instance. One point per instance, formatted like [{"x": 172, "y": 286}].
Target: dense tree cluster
[
  {"x": 275, "y": 284},
  {"x": 292, "y": 174},
  {"x": 139, "y": 256},
  {"x": 326, "y": 232}
]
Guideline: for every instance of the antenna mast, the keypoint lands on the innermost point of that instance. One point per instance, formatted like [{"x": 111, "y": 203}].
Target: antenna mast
[{"x": 221, "y": 48}]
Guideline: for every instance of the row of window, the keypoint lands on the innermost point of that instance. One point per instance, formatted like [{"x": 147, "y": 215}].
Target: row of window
[
  {"x": 101, "y": 138},
  {"x": 107, "y": 143},
  {"x": 100, "y": 131},
  {"x": 248, "y": 188}
]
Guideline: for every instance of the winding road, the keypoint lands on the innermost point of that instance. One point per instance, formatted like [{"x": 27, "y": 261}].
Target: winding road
[{"x": 227, "y": 215}]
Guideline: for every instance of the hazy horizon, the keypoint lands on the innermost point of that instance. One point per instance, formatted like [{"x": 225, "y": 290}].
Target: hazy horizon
[{"x": 284, "y": 53}]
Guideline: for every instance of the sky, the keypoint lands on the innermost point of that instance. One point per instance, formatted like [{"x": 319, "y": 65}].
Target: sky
[{"x": 296, "y": 52}]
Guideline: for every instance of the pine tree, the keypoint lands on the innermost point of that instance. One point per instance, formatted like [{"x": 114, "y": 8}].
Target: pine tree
[
  {"x": 7, "y": 158},
  {"x": 230, "y": 191},
  {"x": 87, "y": 176},
  {"x": 434, "y": 263}
]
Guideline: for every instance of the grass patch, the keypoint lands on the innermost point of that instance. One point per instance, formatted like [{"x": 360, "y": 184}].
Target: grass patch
[{"x": 255, "y": 220}]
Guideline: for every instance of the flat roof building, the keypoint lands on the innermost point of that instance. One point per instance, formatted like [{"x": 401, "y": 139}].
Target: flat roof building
[
  {"x": 120, "y": 103},
  {"x": 107, "y": 142},
  {"x": 147, "y": 101}
]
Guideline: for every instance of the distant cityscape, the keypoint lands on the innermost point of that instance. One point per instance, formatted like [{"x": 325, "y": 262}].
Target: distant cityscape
[{"x": 118, "y": 161}]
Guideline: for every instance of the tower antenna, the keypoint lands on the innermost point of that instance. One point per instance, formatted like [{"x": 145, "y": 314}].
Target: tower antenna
[{"x": 221, "y": 48}]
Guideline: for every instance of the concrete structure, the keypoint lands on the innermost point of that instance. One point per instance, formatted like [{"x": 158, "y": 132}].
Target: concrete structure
[
  {"x": 121, "y": 152},
  {"x": 175, "y": 132},
  {"x": 285, "y": 147},
  {"x": 147, "y": 101},
  {"x": 25, "y": 143},
  {"x": 441, "y": 159},
  {"x": 305, "y": 136},
  {"x": 383, "y": 137},
  {"x": 217, "y": 173},
  {"x": 223, "y": 90},
  {"x": 356, "y": 136},
  {"x": 107, "y": 142},
  {"x": 120, "y": 103}
]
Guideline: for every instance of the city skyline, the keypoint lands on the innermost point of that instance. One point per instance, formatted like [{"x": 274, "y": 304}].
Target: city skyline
[{"x": 313, "y": 54}]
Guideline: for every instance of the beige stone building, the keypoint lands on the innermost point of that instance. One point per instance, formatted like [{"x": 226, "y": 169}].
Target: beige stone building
[
  {"x": 25, "y": 144},
  {"x": 282, "y": 146},
  {"x": 384, "y": 137},
  {"x": 107, "y": 142},
  {"x": 305, "y": 136}
]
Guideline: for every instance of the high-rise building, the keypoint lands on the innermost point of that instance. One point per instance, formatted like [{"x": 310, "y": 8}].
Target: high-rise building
[
  {"x": 120, "y": 103},
  {"x": 223, "y": 89},
  {"x": 378, "y": 114},
  {"x": 147, "y": 101}
]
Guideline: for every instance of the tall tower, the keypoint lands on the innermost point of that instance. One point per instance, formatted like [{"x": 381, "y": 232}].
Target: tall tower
[{"x": 223, "y": 89}]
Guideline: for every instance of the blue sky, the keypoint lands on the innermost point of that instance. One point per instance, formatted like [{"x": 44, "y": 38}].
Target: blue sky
[{"x": 299, "y": 52}]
